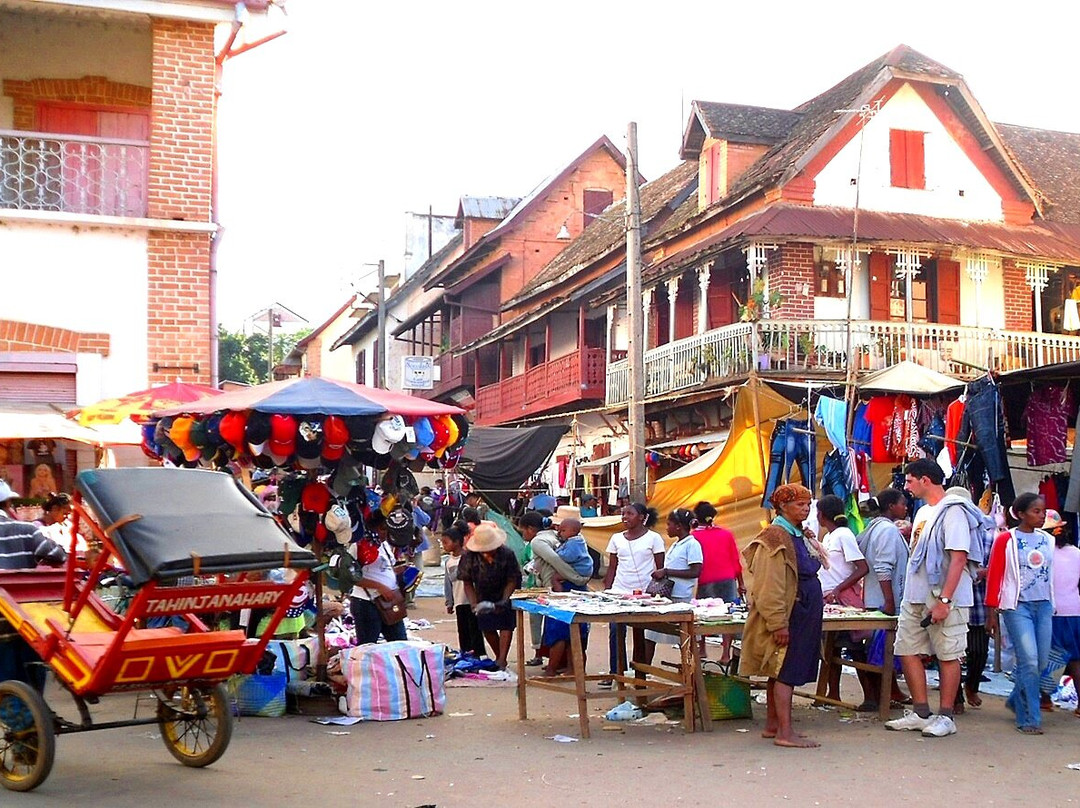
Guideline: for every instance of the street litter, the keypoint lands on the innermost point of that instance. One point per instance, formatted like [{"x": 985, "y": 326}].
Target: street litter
[{"x": 561, "y": 738}]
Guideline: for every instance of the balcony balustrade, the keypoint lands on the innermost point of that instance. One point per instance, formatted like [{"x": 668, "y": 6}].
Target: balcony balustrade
[
  {"x": 819, "y": 347},
  {"x": 72, "y": 174},
  {"x": 577, "y": 376}
]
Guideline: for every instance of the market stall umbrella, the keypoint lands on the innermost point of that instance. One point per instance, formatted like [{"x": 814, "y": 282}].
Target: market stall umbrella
[
  {"x": 909, "y": 378},
  {"x": 139, "y": 405},
  {"x": 313, "y": 395}
]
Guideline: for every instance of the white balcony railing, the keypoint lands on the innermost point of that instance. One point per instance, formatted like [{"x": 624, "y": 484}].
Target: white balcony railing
[
  {"x": 72, "y": 174},
  {"x": 782, "y": 347}
]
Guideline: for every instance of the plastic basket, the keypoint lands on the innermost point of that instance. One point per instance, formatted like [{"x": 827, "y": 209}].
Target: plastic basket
[
  {"x": 729, "y": 697},
  {"x": 259, "y": 695}
]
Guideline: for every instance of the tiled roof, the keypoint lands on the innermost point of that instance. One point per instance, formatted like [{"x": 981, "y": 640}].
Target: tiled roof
[
  {"x": 608, "y": 230},
  {"x": 736, "y": 122},
  {"x": 1052, "y": 159}
]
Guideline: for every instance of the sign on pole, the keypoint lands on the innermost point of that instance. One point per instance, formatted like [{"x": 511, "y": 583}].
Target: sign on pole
[{"x": 417, "y": 372}]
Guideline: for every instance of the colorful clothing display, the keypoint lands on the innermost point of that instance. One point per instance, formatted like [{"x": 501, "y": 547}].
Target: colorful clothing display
[{"x": 1046, "y": 418}]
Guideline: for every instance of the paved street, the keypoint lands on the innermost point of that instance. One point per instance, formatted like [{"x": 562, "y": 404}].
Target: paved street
[{"x": 488, "y": 757}]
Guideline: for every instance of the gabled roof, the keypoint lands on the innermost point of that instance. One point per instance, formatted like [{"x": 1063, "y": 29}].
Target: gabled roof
[
  {"x": 298, "y": 349},
  {"x": 484, "y": 207},
  {"x": 1052, "y": 159},
  {"x": 457, "y": 270},
  {"x": 822, "y": 118},
  {"x": 415, "y": 282},
  {"x": 607, "y": 232},
  {"x": 735, "y": 122}
]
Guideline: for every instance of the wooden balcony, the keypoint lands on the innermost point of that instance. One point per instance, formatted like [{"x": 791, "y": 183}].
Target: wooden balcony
[
  {"x": 456, "y": 372},
  {"x": 800, "y": 348},
  {"x": 577, "y": 376}
]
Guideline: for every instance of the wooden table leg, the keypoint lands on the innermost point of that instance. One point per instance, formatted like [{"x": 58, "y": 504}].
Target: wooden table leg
[
  {"x": 701, "y": 695},
  {"x": 828, "y": 652},
  {"x": 579, "y": 678},
  {"x": 620, "y": 660},
  {"x": 888, "y": 676},
  {"x": 688, "y": 665},
  {"x": 523, "y": 710}
]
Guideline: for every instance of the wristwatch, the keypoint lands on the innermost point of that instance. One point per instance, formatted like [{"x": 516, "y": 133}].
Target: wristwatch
[{"x": 945, "y": 600}]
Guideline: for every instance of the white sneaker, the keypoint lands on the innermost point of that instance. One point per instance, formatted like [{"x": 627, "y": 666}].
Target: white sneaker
[
  {"x": 939, "y": 727},
  {"x": 911, "y": 721}
]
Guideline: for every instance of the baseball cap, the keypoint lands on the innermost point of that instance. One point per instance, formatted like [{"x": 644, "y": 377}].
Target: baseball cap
[
  {"x": 424, "y": 433},
  {"x": 388, "y": 432},
  {"x": 282, "y": 441},
  {"x": 232, "y": 427},
  {"x": 6, "y": 492},
  {"x": 257, "y": 431},
  {"x": 335, "y": 436},
  {"x": 309, "y": 441},
  {"x": 399, "y": 527},
  {"x": 181, "y": 436}
]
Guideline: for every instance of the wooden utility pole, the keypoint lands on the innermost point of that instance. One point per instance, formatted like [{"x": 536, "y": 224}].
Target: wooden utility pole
[
  {"x": 635, "y": 356},
  {"x": 380, "y": 354}
]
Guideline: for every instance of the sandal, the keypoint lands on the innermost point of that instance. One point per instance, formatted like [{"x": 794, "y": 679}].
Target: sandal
[
  {"x": 1030, "y": 730},
  {"x": 867, "y": 707},
  {"x": 532, "y": 663},
  {"x": 897, "y": 704}
]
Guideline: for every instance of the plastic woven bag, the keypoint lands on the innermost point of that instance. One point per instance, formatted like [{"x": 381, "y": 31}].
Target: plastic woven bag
[
  {"x": 259, "y": 695},
  {"x": 729, "y": 696}
]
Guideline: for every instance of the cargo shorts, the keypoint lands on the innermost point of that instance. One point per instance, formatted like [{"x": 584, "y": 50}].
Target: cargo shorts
[{"x": 946, "y": 640}]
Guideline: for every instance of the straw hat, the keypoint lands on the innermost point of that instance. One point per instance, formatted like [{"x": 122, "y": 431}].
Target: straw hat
[
  {"x": 486, "y": 536},
  {"x": 566, "y": 512}
]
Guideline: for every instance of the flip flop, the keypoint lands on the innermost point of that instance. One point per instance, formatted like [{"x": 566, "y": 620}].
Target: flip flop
[
  {"x": 867, "y": 707},
  {"x": 897, "y": 704},
  {"x": 1030, "y": 730}
]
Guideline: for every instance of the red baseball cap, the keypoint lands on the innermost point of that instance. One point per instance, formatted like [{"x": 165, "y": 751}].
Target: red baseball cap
[
  {"x": 335, "y": 436},
  {"x": 282, "y": 436}
]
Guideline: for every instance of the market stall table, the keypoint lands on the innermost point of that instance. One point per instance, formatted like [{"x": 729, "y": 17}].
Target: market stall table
[
  {"x": 708, "y": 625},
  {"x": 581, "y": 608}
]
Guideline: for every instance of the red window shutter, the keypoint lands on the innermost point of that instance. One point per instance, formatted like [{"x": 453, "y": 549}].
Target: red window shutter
[
  {"x": 662, "y": 316},
  {"x": 916, "y": 166},
  {"x": 721, "y": 304},
  {"x": 948, "y": 292},
  {"x": 880, "y": 280},
  {"x": 685, "y": 322},
  {"x": 898, "y": 158},
  {"x": 594, "y": 202}
]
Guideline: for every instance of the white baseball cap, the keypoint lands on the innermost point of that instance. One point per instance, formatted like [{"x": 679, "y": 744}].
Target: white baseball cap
[{"x": 6, "y": 492}]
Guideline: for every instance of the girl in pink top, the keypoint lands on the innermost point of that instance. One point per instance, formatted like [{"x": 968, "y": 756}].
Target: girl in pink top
[
  {"x": 1066, "y": 571},
  {"x": 721, "y": 571}
]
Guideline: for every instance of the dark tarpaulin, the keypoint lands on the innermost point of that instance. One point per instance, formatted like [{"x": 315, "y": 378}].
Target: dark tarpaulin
[{"x": 498, "y": 460}]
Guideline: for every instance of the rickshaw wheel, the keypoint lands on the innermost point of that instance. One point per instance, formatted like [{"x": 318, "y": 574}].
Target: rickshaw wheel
[
  {"x": 195, "y": 723},
  {"x": 27, "y": 737}
]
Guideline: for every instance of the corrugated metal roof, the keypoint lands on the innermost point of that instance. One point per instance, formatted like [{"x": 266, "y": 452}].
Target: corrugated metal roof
[
  {"x": 1054, "y": 243},
  {"x": 485, "y": 207}
]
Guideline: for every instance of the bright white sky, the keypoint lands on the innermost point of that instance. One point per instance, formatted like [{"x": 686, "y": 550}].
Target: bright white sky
[{"x": 365, "y": 110}]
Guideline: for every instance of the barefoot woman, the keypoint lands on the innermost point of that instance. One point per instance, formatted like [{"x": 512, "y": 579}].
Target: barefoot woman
[{"x": 783, "y": 630}]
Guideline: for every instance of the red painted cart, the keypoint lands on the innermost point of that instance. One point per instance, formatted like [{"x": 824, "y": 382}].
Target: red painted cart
[{"x": 180, "y": 535}]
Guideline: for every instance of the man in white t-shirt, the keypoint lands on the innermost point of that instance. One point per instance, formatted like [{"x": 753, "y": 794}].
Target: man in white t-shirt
[{"x": 937, "y": 595}]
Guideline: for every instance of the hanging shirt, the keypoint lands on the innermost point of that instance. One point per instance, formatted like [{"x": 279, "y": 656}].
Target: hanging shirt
[
  {"x": 1047, "y": 418},
  {"x": 953, "y": 415},
  {"x": 879, "y": 413}
]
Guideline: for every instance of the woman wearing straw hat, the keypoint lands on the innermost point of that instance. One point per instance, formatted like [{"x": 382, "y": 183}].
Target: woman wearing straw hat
[
  {"x": 782, "y": 637},
  {"x": 489, "y": 569}
]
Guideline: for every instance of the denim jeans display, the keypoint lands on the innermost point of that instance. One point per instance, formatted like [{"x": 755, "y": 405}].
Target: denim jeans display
[
  {"x": 983, "y": 424},
  {"x": 834, "y": 476},
  {"x": 1030, "y": 627},
  {"x": 793, "y": 441}
]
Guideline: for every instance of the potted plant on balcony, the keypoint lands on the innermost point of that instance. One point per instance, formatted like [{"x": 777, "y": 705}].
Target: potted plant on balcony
[{"x": 758, "y": 304}]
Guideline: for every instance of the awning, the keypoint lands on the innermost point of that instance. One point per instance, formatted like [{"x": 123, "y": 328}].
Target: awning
[
  {"x": 34, "y": 421},
  {"x": 596, "y": 466},
  {"x": 705, "y": 437},
  {"x": 498, "y": 460},
  {"x": 909, "y": 378}
]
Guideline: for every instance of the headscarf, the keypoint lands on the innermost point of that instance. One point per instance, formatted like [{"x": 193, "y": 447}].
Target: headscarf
[{"x": 792, "y": 492}]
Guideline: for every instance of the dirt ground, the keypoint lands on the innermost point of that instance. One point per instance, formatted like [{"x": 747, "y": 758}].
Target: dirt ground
[{"x": 479, "y": 753}]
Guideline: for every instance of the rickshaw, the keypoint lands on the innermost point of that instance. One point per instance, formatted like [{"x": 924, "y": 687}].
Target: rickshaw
[{"x": 183, "y": 536}]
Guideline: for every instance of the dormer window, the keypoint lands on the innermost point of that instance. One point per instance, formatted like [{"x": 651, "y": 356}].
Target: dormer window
[{"x": 907, "y": 164}]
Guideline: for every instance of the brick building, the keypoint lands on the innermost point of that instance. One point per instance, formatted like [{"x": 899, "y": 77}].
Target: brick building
[{"x": 106, "y": 193}]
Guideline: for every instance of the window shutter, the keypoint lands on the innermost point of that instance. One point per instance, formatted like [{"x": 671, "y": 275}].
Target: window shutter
[
  {"x": 916, "y": 167},
  {"x": 898, "y": 158},
  {"x": 880, "y": 281},
  {"x": 948, "y": 292}
]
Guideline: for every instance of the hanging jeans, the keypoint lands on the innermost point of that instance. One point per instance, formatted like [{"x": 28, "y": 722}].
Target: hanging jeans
[
  {"x": 1030, "y": 627},
  {"x": 834, "y": 475},
  {"x": 792, "y": 442},
  {"x": 983, "y": 424},
  {"x": 934, "y": 437}
]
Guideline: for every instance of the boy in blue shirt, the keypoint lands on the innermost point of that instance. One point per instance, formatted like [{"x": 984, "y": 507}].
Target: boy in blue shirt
[{"x": 572, "y": 548}]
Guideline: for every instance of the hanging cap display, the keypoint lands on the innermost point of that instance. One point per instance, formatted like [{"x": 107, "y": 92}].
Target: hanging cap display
[
  {"x": 335, "y": 436},
  {"x": 309, "y": 437},
  {"x": 442, "y": 433},
  {"x": 453, "y": 434},
  {"x": 232, "y": 428},
  {"x": 388, "y": 432},
  {"x": 282, "y": 441},
  {"x": 181, "y": 436},
  {"x": 462, "y": 425},
  {"x": 399, "y": 527},
  {"x": 424, "y": 433},
  {"x": 316, "y": 497},
  {"x": 361, "y": 428},
  {"x": 257, "y": 432}
]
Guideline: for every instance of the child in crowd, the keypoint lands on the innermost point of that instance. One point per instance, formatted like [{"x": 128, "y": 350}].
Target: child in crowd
[
  {"x": 469, "y": 636},
  {"x": 572, "y": 547}
]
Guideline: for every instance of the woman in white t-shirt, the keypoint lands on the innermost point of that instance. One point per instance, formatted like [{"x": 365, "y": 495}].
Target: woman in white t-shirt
[
  {"x": 633, "y": 556},
  {"x": 841, "y": 581}
]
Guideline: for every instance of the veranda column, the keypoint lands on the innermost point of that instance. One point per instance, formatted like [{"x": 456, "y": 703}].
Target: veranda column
[
  {"x": 672, "y": 294},
  {"x": 703, "y": 275}
]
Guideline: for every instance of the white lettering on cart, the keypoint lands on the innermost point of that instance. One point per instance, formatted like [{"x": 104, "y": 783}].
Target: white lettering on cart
[{"x": 212, "y": 603}]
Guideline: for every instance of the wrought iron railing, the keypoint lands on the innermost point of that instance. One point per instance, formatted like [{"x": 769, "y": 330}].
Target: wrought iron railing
[
  {"x": 73, "y": 174},
  {"x": 781, "y": 347}
]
